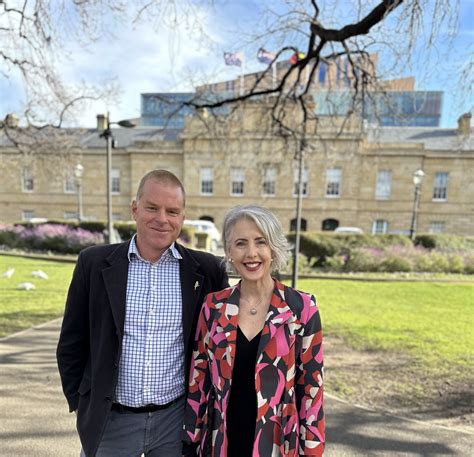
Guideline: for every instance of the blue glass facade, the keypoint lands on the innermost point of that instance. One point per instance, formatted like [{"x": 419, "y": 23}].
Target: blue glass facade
[
  {"x": 414, "y": 109},
  {"x": 165, "y": 109}
]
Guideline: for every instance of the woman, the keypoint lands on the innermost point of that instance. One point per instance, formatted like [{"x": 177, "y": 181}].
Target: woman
[{"x": 256, "y": 374}]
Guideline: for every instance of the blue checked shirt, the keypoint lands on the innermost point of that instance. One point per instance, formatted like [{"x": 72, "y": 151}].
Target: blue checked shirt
[{"x": 151, "y": 369}]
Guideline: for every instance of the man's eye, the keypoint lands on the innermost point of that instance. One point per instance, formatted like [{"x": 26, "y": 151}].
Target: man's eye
[{"x": 151, "y": 208}]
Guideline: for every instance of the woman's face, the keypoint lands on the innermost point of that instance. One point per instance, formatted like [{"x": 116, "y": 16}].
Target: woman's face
[{"x": 249, "y": 250}]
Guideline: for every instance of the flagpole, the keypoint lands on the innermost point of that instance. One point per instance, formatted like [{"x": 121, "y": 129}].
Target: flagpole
[{"x": 273, "y": 75}]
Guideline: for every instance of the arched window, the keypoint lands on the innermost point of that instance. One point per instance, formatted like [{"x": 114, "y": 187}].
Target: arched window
[
  {"x": 206, "y": 218},
  {"x": 293, "y": 225},
  {"x": 330, "y": 224}
]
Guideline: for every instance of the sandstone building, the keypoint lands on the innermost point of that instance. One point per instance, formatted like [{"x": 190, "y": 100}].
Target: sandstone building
[{"x": 360, "y": 177}]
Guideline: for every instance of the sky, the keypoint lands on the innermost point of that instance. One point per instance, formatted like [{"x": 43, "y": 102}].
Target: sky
[{"x": 143, "y": 58}]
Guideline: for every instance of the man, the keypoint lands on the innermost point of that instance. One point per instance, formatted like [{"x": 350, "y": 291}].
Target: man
[{"x": 126, "y": 338}]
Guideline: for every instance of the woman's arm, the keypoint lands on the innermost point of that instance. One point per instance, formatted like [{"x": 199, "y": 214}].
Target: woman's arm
[
  {"x": 309, "y": 381},
  {"x": 199, "y": 383}
]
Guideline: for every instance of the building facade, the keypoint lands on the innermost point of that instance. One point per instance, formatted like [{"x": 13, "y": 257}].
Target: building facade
[{"x": 361, "y": 177}]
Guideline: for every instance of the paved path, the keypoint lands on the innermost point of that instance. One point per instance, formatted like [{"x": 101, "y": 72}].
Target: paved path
[{"x": 34, "y": 421}]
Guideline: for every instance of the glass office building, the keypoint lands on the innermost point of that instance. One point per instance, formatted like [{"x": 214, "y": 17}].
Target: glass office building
[
  {"x": 413, "y": 109},
  {"x": 165, "y": 109}
]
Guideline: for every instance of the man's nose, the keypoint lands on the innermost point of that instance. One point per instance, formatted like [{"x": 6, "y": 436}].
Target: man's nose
[{"x": 160, "y": 216}]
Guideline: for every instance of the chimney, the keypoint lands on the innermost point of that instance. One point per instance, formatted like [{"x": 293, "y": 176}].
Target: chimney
[{"x": 464, "y": 124}]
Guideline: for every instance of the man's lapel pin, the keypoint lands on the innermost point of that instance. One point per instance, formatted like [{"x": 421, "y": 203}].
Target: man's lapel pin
[{"x": 196, "y": 285}]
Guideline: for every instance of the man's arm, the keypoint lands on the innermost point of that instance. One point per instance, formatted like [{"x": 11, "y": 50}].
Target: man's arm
[{"x": 73, "y": 346}]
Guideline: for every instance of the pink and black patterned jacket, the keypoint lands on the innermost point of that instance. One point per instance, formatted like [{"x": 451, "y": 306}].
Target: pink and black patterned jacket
[{"x": 288, "y": 378}]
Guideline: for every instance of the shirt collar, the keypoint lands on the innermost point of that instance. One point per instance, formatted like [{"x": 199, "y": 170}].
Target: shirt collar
[{"x": 133, "y": 251}]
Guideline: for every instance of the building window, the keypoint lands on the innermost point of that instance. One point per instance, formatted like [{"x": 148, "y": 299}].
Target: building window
[
  {"x": 333, "y": 182},
  {"x": 269, "y": 181},
  {"x": 237, "y": 181},
  {"x": 303, "y": 226},
  {"x": 27, "y": 215},
  {"x": 436, "y": 227},
  {"x": 322, "y": 73},
  {"x": 116, "y": 217},
  {"x": 330, "y": 225},
  {"x": 115, "y": 180},
  {"x": 304, "y": 182},
  {"x": 379, "y": 226},
  {"x": 27, "y": 182},
  {"x": 69, "y": 183},
  {"x": 440, "y": 190},
  {"x": 384, "y": 185},
  {"x": 207, "y": 181},
  {"x": 68, "y": 215}
]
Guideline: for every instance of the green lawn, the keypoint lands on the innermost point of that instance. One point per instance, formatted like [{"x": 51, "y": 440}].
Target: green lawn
[
  {"x": 20, "y": 309},
  {"x": 432, "y": 321}
]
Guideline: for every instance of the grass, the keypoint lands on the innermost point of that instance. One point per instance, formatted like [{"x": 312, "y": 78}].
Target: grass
[
  {"x": 20, "y": 309},
  {"x": 433, "y": 322}
]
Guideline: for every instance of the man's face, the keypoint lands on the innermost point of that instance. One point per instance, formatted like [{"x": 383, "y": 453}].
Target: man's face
[{"x": 159, "y": 214}]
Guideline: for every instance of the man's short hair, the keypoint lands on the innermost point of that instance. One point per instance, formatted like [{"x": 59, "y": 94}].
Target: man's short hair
[{"x": 163, "y": 176}]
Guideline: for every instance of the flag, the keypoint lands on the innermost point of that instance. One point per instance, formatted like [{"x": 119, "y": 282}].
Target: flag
[
  {"x": 296, "y": 56},
  {"x": 234, "y": 58},
  {"x": 265, "y": 57}
]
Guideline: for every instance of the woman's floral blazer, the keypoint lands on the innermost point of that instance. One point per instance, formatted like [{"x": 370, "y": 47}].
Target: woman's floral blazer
[{"x": 288, "y": 378}]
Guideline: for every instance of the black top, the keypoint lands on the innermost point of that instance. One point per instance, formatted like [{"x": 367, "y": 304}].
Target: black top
[{"x": 242, "y": 408}]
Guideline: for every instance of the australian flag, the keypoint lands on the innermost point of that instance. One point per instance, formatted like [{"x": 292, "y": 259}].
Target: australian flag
[
  {"x": 234, "y": 58},
  {"x": 265, "y": 57}
]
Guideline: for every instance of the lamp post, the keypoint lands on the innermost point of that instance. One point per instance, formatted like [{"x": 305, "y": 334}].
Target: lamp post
[
  {"x": 299, "y": 203},
  {"x": 417, "y": 181},
  {"x": 103, "y": 126},
  {"x": 78, "y": 172},
  {"x": 10, "y": 121}
]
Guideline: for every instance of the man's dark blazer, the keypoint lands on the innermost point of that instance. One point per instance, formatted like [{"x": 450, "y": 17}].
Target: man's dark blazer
[{"x": 90, "y": 343}]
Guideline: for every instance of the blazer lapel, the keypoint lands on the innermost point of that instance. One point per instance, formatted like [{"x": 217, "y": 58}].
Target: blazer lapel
[
  {"x": 115, "y": 281},
  {"x": 278, "y": 314},
  {"x": 191, "y": 285},
  {"x": 227, "y": 322}
]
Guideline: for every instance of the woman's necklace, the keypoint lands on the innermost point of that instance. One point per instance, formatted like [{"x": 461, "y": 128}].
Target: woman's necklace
[{"x": 254, "y": 308}]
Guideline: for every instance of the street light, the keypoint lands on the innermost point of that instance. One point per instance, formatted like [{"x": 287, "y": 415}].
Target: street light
[
  {"x": 10, "y": 121},
  {"x": 299, "y": 203},
  {"x": 78, "y": 172},
  {"x": 103, "y": 126},
  {"x": 417, "y": 181}
]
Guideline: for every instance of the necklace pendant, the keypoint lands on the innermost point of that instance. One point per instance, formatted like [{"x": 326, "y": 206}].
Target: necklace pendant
[{"x": 253, "y": 311}]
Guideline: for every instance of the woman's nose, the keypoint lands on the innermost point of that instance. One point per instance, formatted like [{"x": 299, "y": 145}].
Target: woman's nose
[{"x": 252, "y": 250}]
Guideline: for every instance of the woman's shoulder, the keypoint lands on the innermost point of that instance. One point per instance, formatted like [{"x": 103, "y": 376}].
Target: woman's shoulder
[
  {"x": 220, "y": 295},
  {"x": 297, "y": 300}
]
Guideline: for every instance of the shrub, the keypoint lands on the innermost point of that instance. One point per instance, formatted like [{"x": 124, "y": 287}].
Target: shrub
[
  {"x": 336, "y": 263},
  {"x": 92, "y": 226},
  {"x": 50, "y": 237},
  {"x": 393, "y": 263},
  {"x": 445, "y": 242},
  {"x": 456, "y": 263},
  {"x": 126, "y": 229},
  {"x": 364, "y": 259},
  {"x": 469, "y": 264}
]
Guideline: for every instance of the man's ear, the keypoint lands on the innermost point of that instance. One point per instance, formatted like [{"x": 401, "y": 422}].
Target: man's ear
[{"x": 134, "y": 209}]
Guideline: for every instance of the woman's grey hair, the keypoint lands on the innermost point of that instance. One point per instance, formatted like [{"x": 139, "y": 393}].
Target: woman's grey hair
[{"x": 267, "y": 223}]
